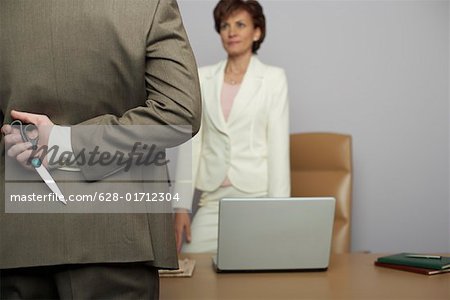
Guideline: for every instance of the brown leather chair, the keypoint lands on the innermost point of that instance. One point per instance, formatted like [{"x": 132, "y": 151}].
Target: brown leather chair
[{"x": 321, "y": 165}]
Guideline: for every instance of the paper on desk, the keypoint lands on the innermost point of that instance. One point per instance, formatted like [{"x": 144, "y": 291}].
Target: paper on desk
[{"x": 186, "y": 268}]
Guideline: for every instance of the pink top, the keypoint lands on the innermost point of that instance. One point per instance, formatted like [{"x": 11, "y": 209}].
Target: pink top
[
  {"x": 227, "y": 96},
  {"x": 229, "y": 92}
]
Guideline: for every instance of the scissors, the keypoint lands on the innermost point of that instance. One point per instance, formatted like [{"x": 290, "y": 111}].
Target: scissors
[{"x": 29, "y": 133}]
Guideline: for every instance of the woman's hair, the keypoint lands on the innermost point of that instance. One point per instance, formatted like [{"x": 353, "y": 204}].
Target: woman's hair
[{"x": 225, "y": 8}]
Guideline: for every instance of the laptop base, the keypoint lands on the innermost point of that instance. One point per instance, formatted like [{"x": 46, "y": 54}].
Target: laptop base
[{"x": 218, "y": 270}]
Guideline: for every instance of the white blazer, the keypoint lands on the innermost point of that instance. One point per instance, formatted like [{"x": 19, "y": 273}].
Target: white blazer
[{"x": 252, "y": 146}]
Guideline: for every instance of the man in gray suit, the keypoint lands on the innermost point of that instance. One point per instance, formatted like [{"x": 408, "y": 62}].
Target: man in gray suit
[{"x": 97, "y": 62}]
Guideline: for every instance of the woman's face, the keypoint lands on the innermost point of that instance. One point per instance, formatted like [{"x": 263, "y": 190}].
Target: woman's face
[{"x": 238, "y": 33}]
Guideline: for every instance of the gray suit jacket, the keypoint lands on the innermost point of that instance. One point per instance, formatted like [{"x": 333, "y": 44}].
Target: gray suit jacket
[{"x": 94, "y": 62}]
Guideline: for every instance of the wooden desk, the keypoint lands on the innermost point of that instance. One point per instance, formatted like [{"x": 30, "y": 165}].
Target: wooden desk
[{"x": 350, "y": 276}]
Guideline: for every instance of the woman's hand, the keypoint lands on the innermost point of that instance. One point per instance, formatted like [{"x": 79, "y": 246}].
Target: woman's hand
[{"x": 182, "y": 224}]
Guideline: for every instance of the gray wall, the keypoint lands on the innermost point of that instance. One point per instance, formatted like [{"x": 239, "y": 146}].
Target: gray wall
[{"x": 378, "y": 70}]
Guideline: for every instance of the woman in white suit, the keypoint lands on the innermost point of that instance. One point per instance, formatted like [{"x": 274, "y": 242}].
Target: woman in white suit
[{"x": 242, "y": 149}]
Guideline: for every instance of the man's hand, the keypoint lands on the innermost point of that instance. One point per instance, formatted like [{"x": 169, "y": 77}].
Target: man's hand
[
  {"x": 182, "y": 225},
  {"x": 18, "y": 149}
]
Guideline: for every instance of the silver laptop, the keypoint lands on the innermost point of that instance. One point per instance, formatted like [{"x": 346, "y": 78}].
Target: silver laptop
[{"x": 274, "y": 234}]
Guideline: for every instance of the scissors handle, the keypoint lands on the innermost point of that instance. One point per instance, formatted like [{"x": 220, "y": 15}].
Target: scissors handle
[{"x": 28, "y": 132}]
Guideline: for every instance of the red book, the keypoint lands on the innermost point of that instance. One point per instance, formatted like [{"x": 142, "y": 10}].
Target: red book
[{"x": 412, "y": 269}]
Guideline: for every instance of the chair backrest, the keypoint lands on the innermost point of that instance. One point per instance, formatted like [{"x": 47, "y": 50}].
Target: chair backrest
[{"x": 321, "y": 165}]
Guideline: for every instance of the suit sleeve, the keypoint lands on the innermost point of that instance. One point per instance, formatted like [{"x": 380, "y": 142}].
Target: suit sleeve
[
  {"x": 278, "y": 140},
  {"x": 173, "y": 98}
]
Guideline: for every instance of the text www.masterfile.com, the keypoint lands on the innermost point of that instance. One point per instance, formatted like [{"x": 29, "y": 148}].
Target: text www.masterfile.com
[{"x": 98, "y": 197}]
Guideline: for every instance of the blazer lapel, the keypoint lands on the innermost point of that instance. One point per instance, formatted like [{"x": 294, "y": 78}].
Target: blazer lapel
[{"x": 249, "y": 87}]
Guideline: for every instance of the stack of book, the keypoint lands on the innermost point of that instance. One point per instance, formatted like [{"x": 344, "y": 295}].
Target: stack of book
[
  {"x": 186, "y": 268},
  {"x": 417, "y": 263}
]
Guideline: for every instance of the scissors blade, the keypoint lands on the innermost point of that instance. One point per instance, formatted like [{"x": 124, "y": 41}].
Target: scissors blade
[{"x": 50, "y": 182}]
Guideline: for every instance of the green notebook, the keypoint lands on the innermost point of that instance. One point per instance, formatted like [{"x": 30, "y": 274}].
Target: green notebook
[{"x": 430, "y": 263}]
